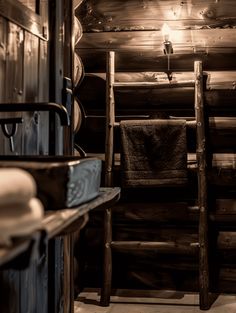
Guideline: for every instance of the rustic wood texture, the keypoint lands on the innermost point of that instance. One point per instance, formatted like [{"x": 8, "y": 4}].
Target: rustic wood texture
[
  {"x": 104, "y": 15},
  {"x": 3, "y": 50},
  {"x": 183, "y": 40},
  {"x": 22, "y": 16},
  {"x": 134, "y": 102},
  {"x": 31, "y": 4},
  {"x": 30, "y": 94},
  {"x": 107, "y": 259},
  {"x": 3, "y": 53},
  {"x": 68, "y": 276},
  {"x": 134, "y": 60},
  {"x": 21, "y": 71},
  {"x": 9, "y": 253},
  {"x": 77, "y": 179},
  {"x": 56, "y": 222},
  {"x": 10, "y": 297},
  {"x": 204, "y": 279},
  {"x": 55, "y": 287},
  {"x": 42, "y": 280},
  {"x": 110, "y": 118},
  {"x": 202, "y": 30},
  {"x": 215, "y": 79}
]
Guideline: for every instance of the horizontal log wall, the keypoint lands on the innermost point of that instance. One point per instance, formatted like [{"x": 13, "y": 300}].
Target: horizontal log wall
[
  {"x": 201, "y": 30},
  {"x": 104, "y": 15}
]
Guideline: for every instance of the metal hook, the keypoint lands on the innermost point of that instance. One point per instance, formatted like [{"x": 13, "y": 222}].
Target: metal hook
[
  {"x": 9, "y": 134},
  {"x": 6, "y": 131}
]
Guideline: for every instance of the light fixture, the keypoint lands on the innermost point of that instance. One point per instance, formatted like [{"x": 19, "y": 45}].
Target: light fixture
[
  {"x": 166, "y": 33},
  {"x": 168, "y": 49}
]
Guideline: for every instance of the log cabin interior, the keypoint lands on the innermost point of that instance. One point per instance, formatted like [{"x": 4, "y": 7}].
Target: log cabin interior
[{"x": 117, "y": 156}]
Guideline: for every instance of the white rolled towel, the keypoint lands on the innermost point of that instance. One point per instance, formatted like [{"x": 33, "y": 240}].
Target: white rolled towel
[
  {"x": 16, "y": 186},
  {"x": 20, "y": 220}
]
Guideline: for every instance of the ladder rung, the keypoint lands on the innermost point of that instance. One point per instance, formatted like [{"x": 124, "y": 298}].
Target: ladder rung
[
  {"x": 161, "y": 246},
  {"x": 188, "y": 123},
  {"x": 154, "y": 85}
]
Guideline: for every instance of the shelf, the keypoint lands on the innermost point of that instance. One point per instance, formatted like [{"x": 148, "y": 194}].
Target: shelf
[
  {"x": 64, "y": 221},
  {"x": 60, "y": 222}
]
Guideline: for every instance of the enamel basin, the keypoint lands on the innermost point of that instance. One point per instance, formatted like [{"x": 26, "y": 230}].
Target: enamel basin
[{"x": 62, "y": 182}]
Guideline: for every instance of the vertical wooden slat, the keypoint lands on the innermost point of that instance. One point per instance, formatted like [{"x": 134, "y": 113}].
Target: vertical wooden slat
[
  {"x": 202, "y": 188},
  {"x": 27, "y": 289},
  {"x": 109, "y": 155},
  {"x": 3, "y": 49},
  {"x": 30, "y": 94},
  {"x": 14, "y": 63},
  {"x": 110, "y": 117},
  {"x": 43, "y": 93},
  {"x": 42, "y": 282},
  {"x": 9, "y": 291},
  {"x": 55, "y": 275},
  {"x": 43, "y": 96},
  {"x": 68, "y": 279},
  {"x": 14, "y": 79},
  {"x": 107, "y": 259},
  {"x": 68, "y": 73},
  {"x": 56, "y": 72},
  {"x": 3, "y": 26}
]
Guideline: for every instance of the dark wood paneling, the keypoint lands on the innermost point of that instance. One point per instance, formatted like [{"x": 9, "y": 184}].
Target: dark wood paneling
[
  {"x": 28, "y": 289},
  {"x": 94, "y": 60},
  {"x": 56, "y": 72},
  {"x": 24, "y": 67},
  {"x": 30, "y": 93},
  {"x": 14, "y": 63},
  {"x": 22, "y": 16},
  {"x": 31, "y": 64},
  {"x": 55, "y": 275},
  {"x": 31, "y": 4},
  {"x": 3, "y": 50},
  {"x": 42, "y": 282},
  {"x": 43, "y": 96},
  {"x": 13, "y": 77},
  {"x": 91, "y": 94},
  {"x": 10, "y": 296}
]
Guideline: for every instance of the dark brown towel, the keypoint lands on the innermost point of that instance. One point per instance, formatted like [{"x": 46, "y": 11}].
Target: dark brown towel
[{"x": 153, "y": 153}]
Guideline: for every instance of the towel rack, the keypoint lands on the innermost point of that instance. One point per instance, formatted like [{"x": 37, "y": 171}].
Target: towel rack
[{"x": 206, "y": 298}]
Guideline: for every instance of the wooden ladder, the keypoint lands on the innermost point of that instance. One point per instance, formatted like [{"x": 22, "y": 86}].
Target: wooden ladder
[{"x": 206, "y": 298}]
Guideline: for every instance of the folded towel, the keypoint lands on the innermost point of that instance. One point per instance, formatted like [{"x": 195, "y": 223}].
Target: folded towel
[
  {"x": 20, "y": 220},
  {"x": 16, "y": 186},
  {"x": 153, "y": 153}
]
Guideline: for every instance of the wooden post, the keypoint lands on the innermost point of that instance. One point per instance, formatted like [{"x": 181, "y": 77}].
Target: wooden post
[
  {"x": 109, "y": 158},
  {"x": 107, "y": 261},
  {"x": 110, "y": 117},
  {"x": 202, "y": 188}
]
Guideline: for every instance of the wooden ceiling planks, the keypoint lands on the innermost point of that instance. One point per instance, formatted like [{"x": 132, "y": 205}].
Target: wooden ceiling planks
[{"x": 120, "y": 15}]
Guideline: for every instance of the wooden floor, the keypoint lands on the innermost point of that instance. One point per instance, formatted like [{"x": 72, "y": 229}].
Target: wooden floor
[{"x": 168, "y": 302}]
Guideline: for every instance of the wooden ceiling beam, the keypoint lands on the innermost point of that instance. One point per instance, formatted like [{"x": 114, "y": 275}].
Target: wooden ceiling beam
[
  {"x": 119, "y": 15},
  {"x": 94, "y": 61}
]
